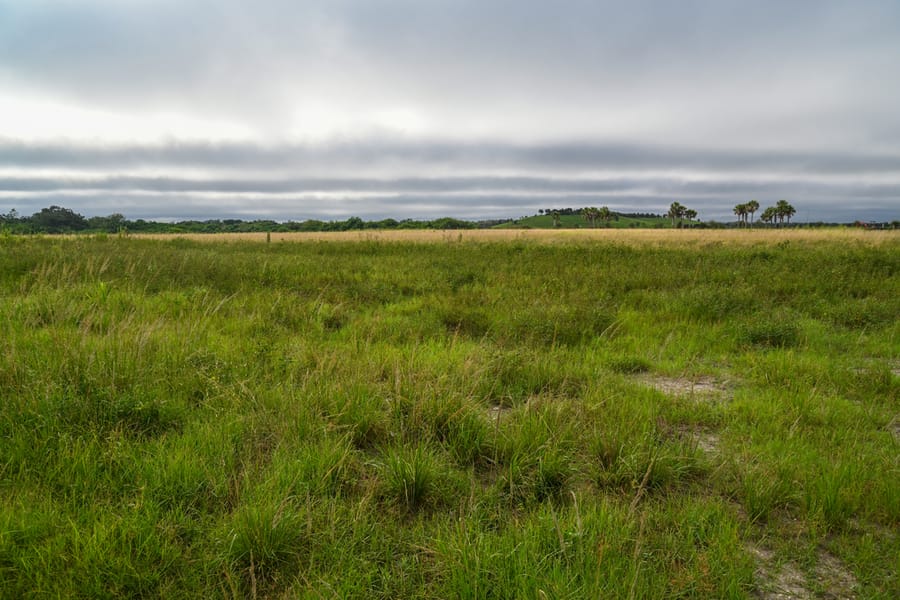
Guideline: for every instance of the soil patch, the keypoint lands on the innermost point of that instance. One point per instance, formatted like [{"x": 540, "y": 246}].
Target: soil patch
[
  {"x": 777, "y": 582},
  {"x": 708, "y": 442},
  {"x": 787, "y": 582},
  {"x": 834, "y": 577},
  {"x": 498, "y": 412},
  {"x": 698, "y": 387}
]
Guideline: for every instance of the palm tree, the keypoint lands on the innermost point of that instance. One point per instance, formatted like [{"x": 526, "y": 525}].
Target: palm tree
[
  {"x": 741, "y": 211},
  {"x": 605, "y": 215},
  {"x": 676, "y": 211},
  {"x": 590, "y": 214},
  {"x": 769, "y": 215},
  {"x": 752, "y": 207},
  {"x": 783, "y": 209},
  {"x": 555, "y": 214}
]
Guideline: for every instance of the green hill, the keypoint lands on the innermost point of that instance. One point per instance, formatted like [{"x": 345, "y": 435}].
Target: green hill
[{"x": 578, "y": 222}]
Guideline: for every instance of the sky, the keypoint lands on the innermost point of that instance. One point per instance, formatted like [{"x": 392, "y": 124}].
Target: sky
[{"x": 476, "y": 109}]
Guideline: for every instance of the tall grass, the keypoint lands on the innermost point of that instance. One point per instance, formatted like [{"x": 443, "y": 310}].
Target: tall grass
[{"x": 471, "y": 417}]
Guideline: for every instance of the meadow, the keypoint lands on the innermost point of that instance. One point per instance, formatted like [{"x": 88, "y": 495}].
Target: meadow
[{"x": 504, "y": 414}]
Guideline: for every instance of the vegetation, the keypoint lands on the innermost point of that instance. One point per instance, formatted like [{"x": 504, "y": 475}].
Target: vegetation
[
  {"x": 55, "y": 219},
  {"x": 679, "y": 213},
  {"x": 383, "y": 419}
]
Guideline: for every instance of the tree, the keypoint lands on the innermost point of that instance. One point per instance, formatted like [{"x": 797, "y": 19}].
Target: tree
[
  {"x": 590, "y": 214},
  {"x": 605, "y": 215},
  {"x": 555, "y": 214},
  {"x": 752, "y": 207},
  {"x": 110, "y": 224},
  {"x": 57, "y": 219},
  {"x": 690, "y": 214},
  {"x": 768, "y": 216},
  {"x": 741, "y": 211},
  {"x": 676, "y": 211},
  {"x": 784, "y": 210}
]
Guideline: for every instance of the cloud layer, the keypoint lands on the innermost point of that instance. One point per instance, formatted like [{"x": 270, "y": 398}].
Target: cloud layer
[{"x": 399, "y": 108}]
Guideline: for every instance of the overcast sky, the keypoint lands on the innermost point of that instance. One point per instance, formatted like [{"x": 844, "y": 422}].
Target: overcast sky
[{"x": 296, "y": 109}]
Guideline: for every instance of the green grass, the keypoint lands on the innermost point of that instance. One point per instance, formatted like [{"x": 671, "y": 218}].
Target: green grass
[
  {"x": 456, "y": 419},
  {"x": 579, "y": 222}
]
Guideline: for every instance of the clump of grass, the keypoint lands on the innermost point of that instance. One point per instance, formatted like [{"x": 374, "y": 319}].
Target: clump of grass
[
  {"x": 461, "y": 320},
  {"x": 629, "y": 364},
  {"x": 650, "y": 466},
  {"x": 861, "y": 313},
  {"x": 714, "y": 303},
  {"x": 513, "y": 376},
  {"x": 262, "y": 540},
  {"x": 415, "y": 479},
  {"x": 460, "y": 427},
  {"x": 763, "y": 491},
  {"x": 830, "y": 499},
  {"x": 330, "y": 317},
  {"x": 563, "y": 325},
  {"x": 536, "y": 454},
  {"x": 779, "y": 330}
]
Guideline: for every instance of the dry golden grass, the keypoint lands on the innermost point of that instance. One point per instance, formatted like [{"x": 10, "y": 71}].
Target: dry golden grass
[{"x": 698, "y": 237}]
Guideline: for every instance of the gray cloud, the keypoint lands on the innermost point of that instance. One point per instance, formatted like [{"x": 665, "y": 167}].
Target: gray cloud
[
  {"x": 517, "y": 104},
  {"x": 412, "y": 154}
]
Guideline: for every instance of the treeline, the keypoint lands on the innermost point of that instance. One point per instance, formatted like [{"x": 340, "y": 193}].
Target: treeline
[{"x": 56, "y": 219}]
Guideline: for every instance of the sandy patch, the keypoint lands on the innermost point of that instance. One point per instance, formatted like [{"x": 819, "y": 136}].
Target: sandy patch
[
  {"x": 700, "y": 387},
  {"x": 834, "y": 577},
  {"x": 497, "y": 412},
  {"x": 787, "y": 582},
  {"x": 707, "y": 441}
]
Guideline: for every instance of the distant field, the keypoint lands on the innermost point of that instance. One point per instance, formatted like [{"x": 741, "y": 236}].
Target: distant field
[
  {"x": 630, "y": 236},
  {"x": 494, "y": 414}
]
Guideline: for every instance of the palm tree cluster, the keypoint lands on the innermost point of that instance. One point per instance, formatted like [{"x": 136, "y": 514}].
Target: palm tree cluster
[
  {"x": 593, "y": 214},
  {"x": 778, "y": 213},
  {"x": 743, "y": 210},
  {"x": 679, "y": 212}
]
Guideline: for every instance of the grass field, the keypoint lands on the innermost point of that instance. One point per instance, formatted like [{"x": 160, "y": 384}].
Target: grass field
[
  {"x": 493, "y": 414},
  {"x": 631, "y": 237}
]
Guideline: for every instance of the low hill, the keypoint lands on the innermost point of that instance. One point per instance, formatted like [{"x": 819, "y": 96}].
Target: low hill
[{"x": 578, "y": 222}]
